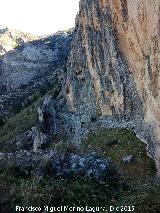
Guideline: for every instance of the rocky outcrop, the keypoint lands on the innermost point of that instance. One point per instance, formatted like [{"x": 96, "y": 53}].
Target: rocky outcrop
[
  {"x": 29, "y": 63},
  {"x": 99, "y": 82},
  {"x": 60, "y": 165},
  {"x": 113, "y": 69},
  {"x": 112, "y": 75}
]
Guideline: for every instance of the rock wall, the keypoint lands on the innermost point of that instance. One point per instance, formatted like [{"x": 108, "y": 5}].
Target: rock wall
[
  {"x": 112, "y": 77},
  {"x": 113, "y": 70},
  {"x": 138, "y": 41}
]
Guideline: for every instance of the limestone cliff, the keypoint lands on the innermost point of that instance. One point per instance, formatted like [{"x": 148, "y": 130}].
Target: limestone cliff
[
  {"x": 113, "y": 70},
  {"x": 104, "y": 84},
  {"x": 112, "y": 77}
]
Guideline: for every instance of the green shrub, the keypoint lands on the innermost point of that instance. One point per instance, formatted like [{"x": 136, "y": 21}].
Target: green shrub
[
  {"x": 65, "y": 146},
  {"x": 18, "y": 124},
  {"x": 2, "y": 122},
  {"x": 137, "y": 188}
]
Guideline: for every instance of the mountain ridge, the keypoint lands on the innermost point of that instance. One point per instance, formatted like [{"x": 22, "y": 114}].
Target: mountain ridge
[{"x": 28, "y": 63}]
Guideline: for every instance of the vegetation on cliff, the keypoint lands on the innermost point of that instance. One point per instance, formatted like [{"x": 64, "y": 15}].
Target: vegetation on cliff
[{"x": 136, "y": 186}]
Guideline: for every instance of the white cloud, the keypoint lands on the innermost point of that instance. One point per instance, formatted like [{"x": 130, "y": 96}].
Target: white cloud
[{"x": 39, "y": 16}]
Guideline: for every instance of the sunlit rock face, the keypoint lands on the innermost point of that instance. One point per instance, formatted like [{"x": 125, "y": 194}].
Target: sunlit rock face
[
  {"x": 138, "y": 38},
  {"x": 113, "y": 70},
  {"x": 29, "y": 63}
]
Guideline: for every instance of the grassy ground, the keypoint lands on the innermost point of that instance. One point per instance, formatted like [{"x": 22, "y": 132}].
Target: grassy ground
[
  {"x": 139, "y": 175},
  {"x": 139, "y": 189},
  {"x": 26, "y": 118},
  {"x": 118, "y": 143},
  {"x": 19, "y": 123}
]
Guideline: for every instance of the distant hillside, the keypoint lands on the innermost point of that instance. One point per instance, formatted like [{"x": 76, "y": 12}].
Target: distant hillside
[{"x": 28, "y": 63}]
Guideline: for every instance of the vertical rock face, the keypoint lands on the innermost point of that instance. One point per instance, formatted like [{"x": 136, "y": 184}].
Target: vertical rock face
[
  {"x": 113, "y": 70},
  {"x": 138, "y": 38}
]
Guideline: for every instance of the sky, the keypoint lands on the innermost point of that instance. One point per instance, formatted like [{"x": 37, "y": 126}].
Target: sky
[{"x": 39, "y": 17}]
